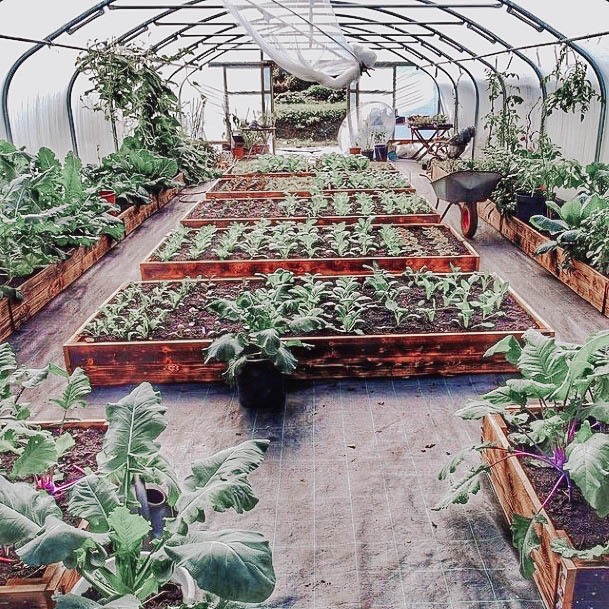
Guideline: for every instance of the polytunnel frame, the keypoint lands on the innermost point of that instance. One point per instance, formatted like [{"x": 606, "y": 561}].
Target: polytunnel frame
[{"x": 518, "y": 12}]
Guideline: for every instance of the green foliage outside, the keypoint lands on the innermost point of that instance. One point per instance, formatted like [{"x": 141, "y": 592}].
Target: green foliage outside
[
  {"x": 306, "y": 112},
  {"x": 314, "y": 121}
]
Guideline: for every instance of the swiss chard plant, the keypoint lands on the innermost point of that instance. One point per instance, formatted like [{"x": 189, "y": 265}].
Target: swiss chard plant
[
  {"x": 234, "y": 565},
  {"x": 557, "y": 413}
]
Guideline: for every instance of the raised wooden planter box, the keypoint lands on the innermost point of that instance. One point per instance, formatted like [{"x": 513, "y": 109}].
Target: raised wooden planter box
[
  {"x": 38, "y": 592},
  {"x": 180, "y": 269},
  {"x": 344, "y": 356},
  {"x": 215, "y": 193},
  {"x": 192, "y": 221},
  {"x": 562, "y": 583},
  {"x": 586, "y": 282},
  {"x": 41, "y": 288}
]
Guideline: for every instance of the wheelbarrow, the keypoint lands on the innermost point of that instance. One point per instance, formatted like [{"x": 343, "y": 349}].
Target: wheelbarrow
[{"x": 466, "y": 189}]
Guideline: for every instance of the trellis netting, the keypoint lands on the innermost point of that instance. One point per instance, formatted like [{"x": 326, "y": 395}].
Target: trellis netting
[
  {"x": 304, "y": 38},
  {"x": 367, "y": 125}
]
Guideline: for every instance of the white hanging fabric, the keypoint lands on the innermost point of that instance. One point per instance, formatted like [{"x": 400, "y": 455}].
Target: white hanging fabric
[{"x": 304, "y": 38}]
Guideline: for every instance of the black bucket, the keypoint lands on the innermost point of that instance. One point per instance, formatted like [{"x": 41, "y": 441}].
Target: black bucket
[
  {"x": 380, "y": 152},
  {"x": 261, "y": 385}
]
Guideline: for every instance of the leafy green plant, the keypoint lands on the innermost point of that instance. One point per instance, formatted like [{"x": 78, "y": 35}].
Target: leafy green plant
[
  {"x": 570, "y": 230},
  {"x": 231, "y": 564},
  {"x": 129, "y": 85},
  {"x": 265, "y": 317},
  {"x": 557, "y": 415},
  {"x": 173, "y": 244},
  {"x": 573, "y": 90},
  {"x": 45, "y": 212},
  {"x": 133, "y": 174}
]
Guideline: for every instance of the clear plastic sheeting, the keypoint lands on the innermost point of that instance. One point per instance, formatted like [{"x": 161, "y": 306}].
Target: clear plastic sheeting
[
  {"x": 367, "y": 125},
  {"x": 304, "y": 38}
]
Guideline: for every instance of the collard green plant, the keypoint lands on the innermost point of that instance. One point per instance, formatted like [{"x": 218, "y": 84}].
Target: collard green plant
[
  {"x": 265, "y": 316},
  {"x": 47, "y": 210},
  {"x": 231, "y": 564},
  {"x": 557, "y": 415}
]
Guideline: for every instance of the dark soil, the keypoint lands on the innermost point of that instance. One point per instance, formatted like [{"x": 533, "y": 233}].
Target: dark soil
[
  {"x": 417, "y": 241},
  {"x": 263, "y": 208},
  {"x": 87, "y": 444},
  {"x": 264, "y": 182},
  {"x": 194, "y": 321},
  {"x": 169, "y": 596},
  {"x": 574, "y": 515}
]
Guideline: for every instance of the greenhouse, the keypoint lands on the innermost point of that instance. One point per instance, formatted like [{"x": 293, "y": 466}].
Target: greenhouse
[{"x": 304, "y": 304}]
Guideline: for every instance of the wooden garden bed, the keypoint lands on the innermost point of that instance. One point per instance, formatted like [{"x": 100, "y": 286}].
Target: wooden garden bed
[
  {"x": 215, "y": 191},
  {"x": 152, "y": 269},
  {"x": 196, "y": 219},
  {"x": 38, "y": 592},
  {"x": 336, "y": 356},
  {"x": 41, "y": 288},
  {"x": 562, "y": 583},
  {"x": 585, "y": 281}
]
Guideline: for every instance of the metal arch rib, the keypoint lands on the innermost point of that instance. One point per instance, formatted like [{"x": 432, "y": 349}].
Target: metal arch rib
[
  {"x": 580, "y": 51},
  {"x": 469, "y": 21},
  {"x": 25, "y": 56}
]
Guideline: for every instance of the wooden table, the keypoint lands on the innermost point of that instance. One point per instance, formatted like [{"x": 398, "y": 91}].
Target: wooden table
[{"x": 433, "y": 144}]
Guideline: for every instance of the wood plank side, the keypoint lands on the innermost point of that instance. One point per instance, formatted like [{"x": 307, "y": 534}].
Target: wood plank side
[
  {"x": 45, "y": 285},
  {"x": 277, "y": 194},
  {"x": 152, "y": 270},
  {"x": 556, "y": 577},
  {"x": 330, "y": 357},
  {"x": 32, "y": 593}
]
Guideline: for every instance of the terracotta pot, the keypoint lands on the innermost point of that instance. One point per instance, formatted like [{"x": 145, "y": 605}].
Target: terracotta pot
[
  {"x": 108, "y": 195},
  {"x": 355, "y": 150},
  {"x": 239, "y": 152}
]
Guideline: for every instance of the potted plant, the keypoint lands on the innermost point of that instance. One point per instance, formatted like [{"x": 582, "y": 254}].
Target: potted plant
[
  {"x": 545, "y": 445},
  {"x": 258, "y": 357},
  {"x": 234, "y": 565}
]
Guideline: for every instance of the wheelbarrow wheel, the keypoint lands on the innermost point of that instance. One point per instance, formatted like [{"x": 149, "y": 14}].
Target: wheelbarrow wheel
[{"x": 469, "y": 219}]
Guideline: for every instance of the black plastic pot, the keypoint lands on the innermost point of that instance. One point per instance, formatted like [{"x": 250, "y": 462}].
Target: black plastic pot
[
  {"x": 261, "y": 385},
  {"x": 369, "y": 154},
  {"x": 380, "y": 152},
  {"x": 529, "y": 205}
]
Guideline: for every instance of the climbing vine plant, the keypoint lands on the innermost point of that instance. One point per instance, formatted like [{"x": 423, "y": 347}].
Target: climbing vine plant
[
  {"x": 574, "y": 91},
  {"x": 503, "y": 124},
  {"x": 130, "y": 87}
]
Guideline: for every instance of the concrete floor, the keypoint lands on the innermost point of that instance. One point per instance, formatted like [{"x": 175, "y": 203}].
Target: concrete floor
[{"x": 350, "y": 477}]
